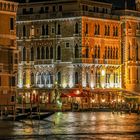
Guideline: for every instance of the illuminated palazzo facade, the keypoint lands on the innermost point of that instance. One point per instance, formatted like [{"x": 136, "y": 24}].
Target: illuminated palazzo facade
[
  {"x": 8, "y": 54},
  {"x": 77, "y": 43}
]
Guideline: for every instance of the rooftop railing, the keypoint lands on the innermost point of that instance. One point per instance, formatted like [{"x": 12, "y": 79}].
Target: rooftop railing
[{"x": 65, "y": 14}]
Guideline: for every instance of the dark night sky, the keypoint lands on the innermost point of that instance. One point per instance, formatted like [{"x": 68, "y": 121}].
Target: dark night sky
[
  {"x": 117, "y": 4},
  {"x": 121, "y": 3}
]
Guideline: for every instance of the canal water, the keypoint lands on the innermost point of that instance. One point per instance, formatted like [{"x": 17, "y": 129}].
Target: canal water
[{"x": 74, "y": 126}]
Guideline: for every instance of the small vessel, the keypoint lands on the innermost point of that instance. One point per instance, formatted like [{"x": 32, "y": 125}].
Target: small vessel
[
  {"x": 40, "y": 116},
  {"x": 15, "y": 117}
]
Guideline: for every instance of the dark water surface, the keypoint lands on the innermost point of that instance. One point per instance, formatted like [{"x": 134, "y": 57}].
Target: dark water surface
[{"x": 74, "y": 126}]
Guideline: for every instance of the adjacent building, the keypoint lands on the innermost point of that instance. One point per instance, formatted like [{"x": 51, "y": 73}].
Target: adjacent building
[
  {"x": 76, "y": 45},
  {"x": 8, "y": 54}
]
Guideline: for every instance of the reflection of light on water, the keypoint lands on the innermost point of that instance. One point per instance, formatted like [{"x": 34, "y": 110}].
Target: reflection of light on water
[
  {"x": 28, "y": 130},
  {"x": 59, "y": 113},
  {"x": 71, "y": 117},
  {"x": 84, "y": 117},
  {"x": 107, "y": 124},
  {"x": 57, "y": 118}
]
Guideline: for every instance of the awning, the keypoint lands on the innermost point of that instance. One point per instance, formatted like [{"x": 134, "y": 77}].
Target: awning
[
  {"x": 63, "y": 95},
  {"x": 72, "y": 94}
]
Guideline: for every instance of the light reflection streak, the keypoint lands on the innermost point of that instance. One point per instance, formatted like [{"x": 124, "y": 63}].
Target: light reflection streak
[{"x": 79, "y": 122}]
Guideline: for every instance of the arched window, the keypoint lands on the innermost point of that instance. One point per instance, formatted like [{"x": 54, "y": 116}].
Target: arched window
[
  {"x": 46, "y": 78},
  {"x": 24, "y": 31},
  {"x": 108, "y": 31},
  {"x": 98, "y": 51},
  {"x": 129, "y": 52},
  {"x": 87, "y": 78},
  {"x": 24, "y": 78},
  {"x": 32, "y": 79},
  {"x": 96, "y": 76},
  {"x": 111, "y": 53},
  {"x": 47, "y": 53},
  {"x": 76, "y": 28},
  {"x": 116, "y": 31},
  {"x": 117, "y": 53},
  {"x": 114, "y": 77},
  {"x": 51, "y": 52},
  {"x": 42, "y": 53},
  {"x": 24, "y": 54},
  {"x": 32, "y": 54},
  {"x": 99, "y": 77},
  {"x": 108, "y": 53},
  {"x": 95, "y": 30},
  {"x": 38, "y": 52},
  {"x": 117, "y": 78},
  {"x": 76, "y": 78},
  {"x": 105, "y": 53},
  {"x": 42, "y": 79},
  {"x": 114, "y": 53},
  {"x": 59, "y": 30},
  {"x": 95, "y": 52},
  {"x": 47, "y": 30},
  {"x": 129, "y": 73},
  {"x": 137, "y": 74},
  {"x": 59, "y": 77},
  {"x": 58, "y": 53},
  {"x": 43, "y": 30},
  {"x": 98, "y": 29},
  {"x": 76, "y": 51},
  {"x": 108, "y": 77},
  {"x": 38, "y": 78},
  {"x": 137, "y": 53},
  {"x": 105, "y": 30},
  {"x": 87, "y": 52},
  {"x": 49, "y": 78},
  {"x": 86, "y": 28}
]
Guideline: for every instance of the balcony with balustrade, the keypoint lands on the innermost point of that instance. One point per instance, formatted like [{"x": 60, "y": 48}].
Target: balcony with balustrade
[
  {"x": 97, "y": 61},
  {"x": 83, "y": 60},
  {"x": 43, "y": 62}
]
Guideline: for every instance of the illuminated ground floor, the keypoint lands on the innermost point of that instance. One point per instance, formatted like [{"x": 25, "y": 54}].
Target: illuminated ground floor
[
  {"x": 69, "y": 76},
  {"x": 67, "y": 99},
  {"x": 59, "y": 86}
]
